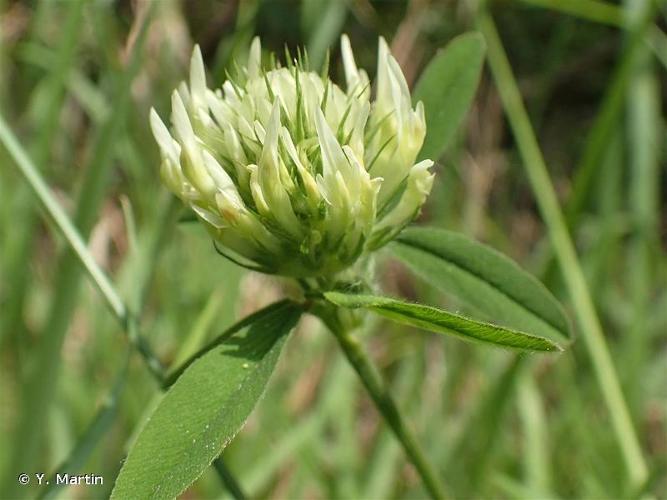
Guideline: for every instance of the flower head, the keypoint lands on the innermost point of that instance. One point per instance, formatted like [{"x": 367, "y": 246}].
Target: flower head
[{"x": 289, "y": 171}]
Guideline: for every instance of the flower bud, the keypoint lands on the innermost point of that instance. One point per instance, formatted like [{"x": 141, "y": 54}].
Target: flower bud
[{"x": 288, "y": 171}]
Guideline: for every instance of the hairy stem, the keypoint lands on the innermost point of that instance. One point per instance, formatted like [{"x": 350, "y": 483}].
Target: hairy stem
[{"x": 385, "y": 404}]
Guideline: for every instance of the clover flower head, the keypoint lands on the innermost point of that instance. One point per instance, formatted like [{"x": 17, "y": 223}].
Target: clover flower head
[{"x": 290, "y": 172}]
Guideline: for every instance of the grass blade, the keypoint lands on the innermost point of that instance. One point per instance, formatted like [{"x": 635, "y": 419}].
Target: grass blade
[
  {"x": 644, "y": 144},
  {"x": 20, "y": 252},
  {"x": 605, "y": 122},
  {"x": 42, "y": 381},
  {"x": 566, "y": 255}
]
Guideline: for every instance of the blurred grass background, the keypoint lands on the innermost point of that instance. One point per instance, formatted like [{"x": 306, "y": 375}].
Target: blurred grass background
[{"x": 77, "y": 79}]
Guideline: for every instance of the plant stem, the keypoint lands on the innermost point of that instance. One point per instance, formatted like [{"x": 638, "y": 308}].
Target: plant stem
[
  {"x": 385, "y": 404},
  {"x": 228, "y": 479},
  {"x": 644, "y": 119},
  {"x": 591, "y": 329}
]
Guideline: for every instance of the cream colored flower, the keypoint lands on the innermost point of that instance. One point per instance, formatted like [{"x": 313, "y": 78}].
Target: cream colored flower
[{"x": 290, "y": 172}]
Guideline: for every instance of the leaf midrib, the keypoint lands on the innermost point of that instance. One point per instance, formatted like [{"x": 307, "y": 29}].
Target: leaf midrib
[
  {"x": 477, "y": 276},
  {"x": 462, "y": 331}
]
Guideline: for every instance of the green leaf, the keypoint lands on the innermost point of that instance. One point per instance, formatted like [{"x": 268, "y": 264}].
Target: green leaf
[
  {"x": 202, "y": 412},
  {"x": 439, "y": 321},
  {"x": 484, "y": 279},
  {"x": 447, "y": 87}
]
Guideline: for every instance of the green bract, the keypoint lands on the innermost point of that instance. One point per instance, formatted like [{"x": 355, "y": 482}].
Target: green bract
[{"x": 291, "y": 172}]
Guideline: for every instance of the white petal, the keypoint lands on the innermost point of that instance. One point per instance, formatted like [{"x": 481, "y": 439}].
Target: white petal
[
  {"x": 323, "y": 189},
  {"x": 345, "y": 198},
  {"x": 398, "y": 77},
  {"x": 333, "y": 157},
  {"x": 350, "y": 67},
  {"x": 421, "y": 177},
  {"x": 256, "y": 191},
  {"x": 272, "y": 130},
  {"x": 357, "y": 173},
  {"x": 181, "y": 121},
  {"x": 231, "y": 93},
  {"x": 418, "y": 187},
  {"x": 233, "y": 144},
  {"x": 255, "y": 59},
  {"x": 229, "y": 207},
  {"x": 274, "y": 179},
  {"x": 184, "y": 92},
  {"x": 212, "y": 218},
  {"x": 419, "y": 112},
  {"x": 290, "y": 147},
  {"x": 173, "y": 178},
  {"x": 217, "y": 173},
  {"x": 383, "y": 92},
  {"x": 197, "y": 78},
  {"x": 191, "y": 157},
  {"x": 220, "y": 109},
  {"x": 400, "y": 94},
  {"x": 163, "y": 137},
  {"x": 260, "y": 132}
]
